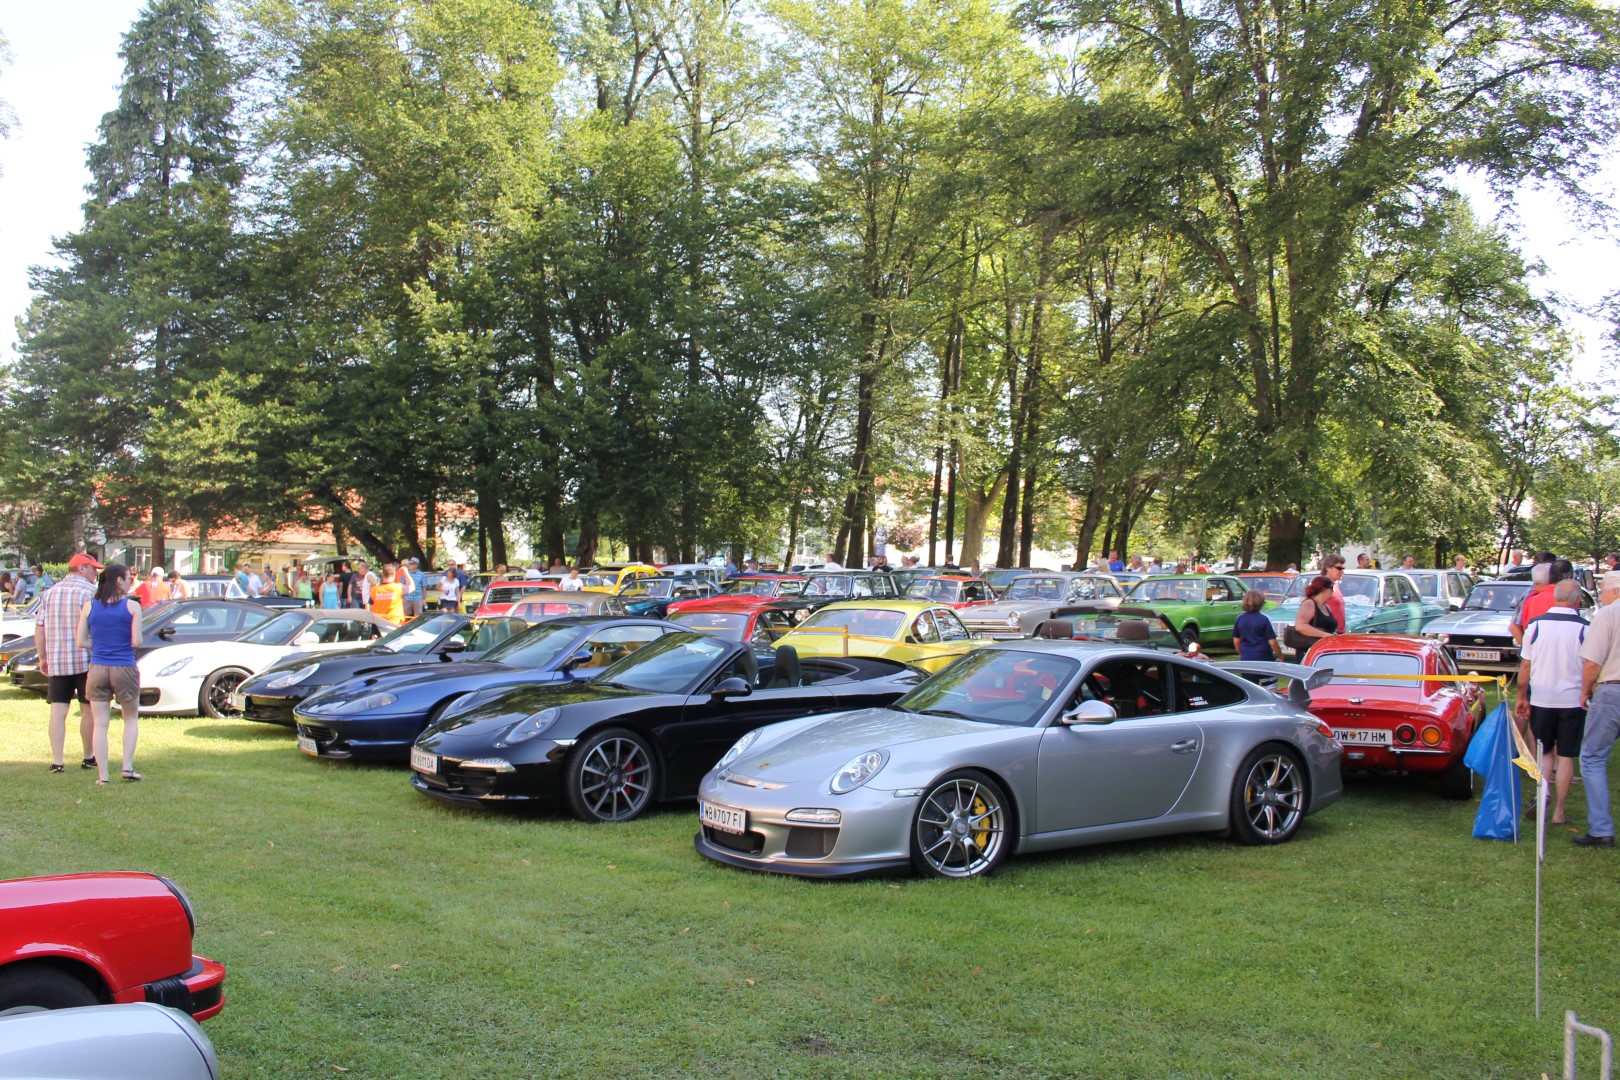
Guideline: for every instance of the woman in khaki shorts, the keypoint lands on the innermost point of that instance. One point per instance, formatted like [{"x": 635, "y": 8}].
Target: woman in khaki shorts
[{"x": 110, "y": 627}]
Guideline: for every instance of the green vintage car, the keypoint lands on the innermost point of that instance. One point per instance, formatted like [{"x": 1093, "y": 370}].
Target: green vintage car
[{"x": 1202, "y": 607}]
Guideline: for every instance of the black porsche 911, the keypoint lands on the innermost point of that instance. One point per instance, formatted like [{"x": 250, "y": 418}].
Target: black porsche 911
[{"x": 643, "y": 731}]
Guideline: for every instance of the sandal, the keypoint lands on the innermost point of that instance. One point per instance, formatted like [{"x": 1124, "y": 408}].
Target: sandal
[
  {"x": 1558, "y": 821},
  {"x": 101, "y": 783},
  {"x": 131, "y": 775},
  {"x": 57, "y": 768},
  {"x": 87, "y": 763}
]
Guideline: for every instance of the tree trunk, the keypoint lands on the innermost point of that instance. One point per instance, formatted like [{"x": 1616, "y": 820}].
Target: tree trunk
[
  {"x": 431, "y": 533},
  {"x": 159, "y": 547},
  {"x": 974, "y": 515},
  {"x": 493, "y": 523},
  {"x": 1026, "y": 524},
  {"x": 1088, "y": 526},
  {"x": 585, "y": 550},
  {"x": 933, "y": 506},
  {"x": 1247, "y": 553},
  {"x": 950, "y": 505},
  {"x": 1285, "y": 540}
]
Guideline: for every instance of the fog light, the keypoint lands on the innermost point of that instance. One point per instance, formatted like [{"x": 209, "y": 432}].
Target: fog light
[
  {"x": 1405, "y": 733},
  {"x": 814, "y": 816},
  {"x": 494, "y": 764},
  {"x": 1431, "y": 736}
]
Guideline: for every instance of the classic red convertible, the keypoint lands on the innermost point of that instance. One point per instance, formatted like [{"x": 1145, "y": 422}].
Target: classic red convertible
[
  {"x": 100, "y": 939},
  {"x": 1409, "y": 725}
]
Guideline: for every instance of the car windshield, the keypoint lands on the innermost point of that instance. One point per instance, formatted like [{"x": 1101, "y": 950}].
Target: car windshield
[
  {"x": 667, "y": 665},
  {"x": 654, "y": 587},
  {"x": 1496, "y": 596},
  {"x": 1274, "y": 586},
  {"x": 994, "y": 686},
  {"x": 1428, "y": 584},
  {"x": 417, "y": 635},
  {"x": 1348, "y": 667},
  {"x": 505, "y": 594},
  {"x": 829, "y": 585},
  {"x": 939, "y": 589},
  {"x": 711, "y": 622},
  {"x": 863, "y": 621},
  {"x": 1181, "y": 590},
  {"x": 537, "y": 647},
  {"x": 762, "y": 587},
  {"x": 1108, "y": 626},
  {"x": 276, "y": 631},
  {"x": 1031, "y": 587},
  {"x": 535, "y": 607}
]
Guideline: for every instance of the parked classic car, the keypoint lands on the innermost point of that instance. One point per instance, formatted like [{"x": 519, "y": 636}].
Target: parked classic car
[
  {"x": 1406, "y": 725},
  {"x": 198, "y": 679},
  {"x": 651, "y": 597},
  {"x": 1443, "y": 588},
  {"x": 1478, "y": 636},
  {"x": 139, "y": 1041},
  {"x": 769, "y": 586},
  {"x": 848, "y": 584},
  {"x": 1274, "y": 583},
  {"x": 501, "y": 595},
  {"x": 1020, "y": 747},
  {"x": 271, "y": 695},
  {"x": 98, "y": 939},
  {"x": 1030, "y": 600},
  {"x": 1101, "y": 622},
  {"x": 644, "y": 730},
  {"x": 742, "y": 618},
  {"x": 555, "y": 603},
  {"x": 377, "y": 717},
  {"x": 914, "y": 632},
  {"x": 1375, "y": 602},
  {"x": 953, "y": 592},
  {"x": 1203, "y": 607},
  {"x": 611, "y": 577}
]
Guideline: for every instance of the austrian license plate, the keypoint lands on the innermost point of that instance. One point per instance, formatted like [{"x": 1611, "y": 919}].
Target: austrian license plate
[
  {"x": 723, "y": 818},
  {"x": 422, "y": 761},
  {"x": 1108, "y": 633},
  {"x": 1362, "y": 736},
  {"x": 307, "y": 745},
  {"x": 1492, "y": 655},
  {"x": 239, "y": 701}
]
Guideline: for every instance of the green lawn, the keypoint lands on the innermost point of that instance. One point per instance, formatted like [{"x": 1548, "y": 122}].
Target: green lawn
[{"x": 371, "y": 933}]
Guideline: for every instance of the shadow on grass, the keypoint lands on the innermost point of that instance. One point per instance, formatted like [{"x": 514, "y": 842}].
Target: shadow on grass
[{"x": 243, "y": 732}]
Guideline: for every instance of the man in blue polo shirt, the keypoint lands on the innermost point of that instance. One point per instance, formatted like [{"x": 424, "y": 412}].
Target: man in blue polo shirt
[{"x": 415, "y": 586}]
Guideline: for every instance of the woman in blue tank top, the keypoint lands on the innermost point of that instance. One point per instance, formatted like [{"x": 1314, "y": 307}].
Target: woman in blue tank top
[{"x": 110, "y": 627}]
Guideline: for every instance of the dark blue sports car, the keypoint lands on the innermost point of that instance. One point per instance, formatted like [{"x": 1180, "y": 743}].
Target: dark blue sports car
[{"x": 377, "y": 717}]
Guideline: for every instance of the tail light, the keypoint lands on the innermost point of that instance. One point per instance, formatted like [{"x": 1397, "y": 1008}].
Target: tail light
[
  {"x": 1431, "y": 736},
  {"x": 1406, "y": 733}
]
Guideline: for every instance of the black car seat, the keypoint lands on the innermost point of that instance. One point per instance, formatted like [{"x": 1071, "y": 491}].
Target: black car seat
[
  {"x": 745, "y": 667},
  {"x": 787, "y": 671}
]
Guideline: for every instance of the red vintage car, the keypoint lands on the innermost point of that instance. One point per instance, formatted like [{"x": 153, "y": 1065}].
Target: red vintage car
[
  {"x": 741, "y": 618},
  {"x": 501, "y": 595},
  {"x": 757, "y": 586},
  {"x": 102, "y": 939},
  {"x": 1409, "y": 724}
]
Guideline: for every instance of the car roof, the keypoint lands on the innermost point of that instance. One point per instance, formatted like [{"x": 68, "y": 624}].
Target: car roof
[{"x": 881, "y": 603}]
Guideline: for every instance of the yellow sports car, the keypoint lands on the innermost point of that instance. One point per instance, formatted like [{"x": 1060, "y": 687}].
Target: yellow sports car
[
  {"x": 612, "y": 575},
  {"x": 924, "y": 635}
]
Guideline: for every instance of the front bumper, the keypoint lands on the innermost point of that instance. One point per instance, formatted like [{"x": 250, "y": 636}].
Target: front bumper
[
  {"x": 536, "y": 784},
  {"x": 1508, "y": 653},
  {"x": 199, "y": 992},
  {"x": 368, "y": 738},
  {"x": 871, "y": 839},
  {"x": 270, "y": 707}
]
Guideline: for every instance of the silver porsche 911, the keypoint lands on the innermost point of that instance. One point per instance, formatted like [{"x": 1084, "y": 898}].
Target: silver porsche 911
[{"x": 1024, "y": 746}]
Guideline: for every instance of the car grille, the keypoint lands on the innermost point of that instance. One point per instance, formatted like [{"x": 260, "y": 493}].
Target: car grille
[
  {"x": 260, "y": 709},
  {"x": 810, "y": 843},
  {"x": 149, "y": 698},
  {"x": 750, "y": 843},
  {"x": 451, "y": 778},
  {"x": 323, "y": 736},
  {"x": 994, "y": 627}
]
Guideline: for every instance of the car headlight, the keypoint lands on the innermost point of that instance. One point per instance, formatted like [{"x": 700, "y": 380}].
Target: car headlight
[
  {"x": 737, "y": 748},
  {"x": 858, "y": 771},
  {"x": 530, "y": 727},
  {"x": 297, "y": 675},
  {"x": 169, "y": 669},
  {"x": 1012, "y": 620},
  {"x": 365, "y": 704}
]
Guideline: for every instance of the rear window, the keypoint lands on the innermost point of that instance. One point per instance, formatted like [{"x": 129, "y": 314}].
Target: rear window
[
  {"x": 505, "y": 594},
  {"x": 1349, "y": 666}
]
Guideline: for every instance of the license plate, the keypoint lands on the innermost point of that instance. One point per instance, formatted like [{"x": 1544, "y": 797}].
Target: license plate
[
  {"x": 723, "y": 818},
  {"x": 238, "y": 701},
  {"x": 1107, "y": 633},
  {"x": 1493, "y": 655},
  {"x": 307, "y": 745},
  {"x": 422, "y": 761},
  {"x": 1362, "y": 736}
]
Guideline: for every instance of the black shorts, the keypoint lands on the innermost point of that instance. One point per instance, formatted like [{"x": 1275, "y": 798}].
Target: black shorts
[
  {"x": 1558, "y": 730},
  {"x": 64, "y": 689}
]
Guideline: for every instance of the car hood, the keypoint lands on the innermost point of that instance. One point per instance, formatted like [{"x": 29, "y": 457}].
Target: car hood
[
  {"x": 1004, "y": 608},
  {"x": 501, "y": 708},
  {"x": 1494, "y": 623},
  {"x": 401, "y": 683},
  {"x": 816, "y": 751},
  {"x": 210, "y": 651}
]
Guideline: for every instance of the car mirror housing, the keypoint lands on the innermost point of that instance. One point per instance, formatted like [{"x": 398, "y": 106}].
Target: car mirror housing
[
  {"x": 583, "y": 656},
  {"x": 454, "y": 645},
  {"x": 166, "y": 633},
  {"x": 1089, "y": 712},
  {"x": 732, "y": 687}
]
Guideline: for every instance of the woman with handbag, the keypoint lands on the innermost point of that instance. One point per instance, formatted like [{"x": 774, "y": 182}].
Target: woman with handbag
[{"x": 1315, "y": 620}]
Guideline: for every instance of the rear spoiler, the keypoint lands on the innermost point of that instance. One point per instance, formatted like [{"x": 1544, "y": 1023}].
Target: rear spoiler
[{"x": 1301, "y": 679}]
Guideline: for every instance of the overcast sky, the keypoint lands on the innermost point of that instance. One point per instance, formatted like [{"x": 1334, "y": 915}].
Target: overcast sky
[{"x": 65, "y": 70}]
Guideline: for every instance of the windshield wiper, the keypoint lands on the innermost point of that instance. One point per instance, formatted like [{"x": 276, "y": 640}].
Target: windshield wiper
[{"x": 950, "y": 712}]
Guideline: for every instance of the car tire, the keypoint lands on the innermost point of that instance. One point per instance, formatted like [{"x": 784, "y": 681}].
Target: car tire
[
  {"x": 1268, "y": 796},
  {"x": 610, "y": 776},
  {"x": 1190, "y": 636},
  {"x": 37, "y": 988},
  {"x": 1456, "y": 781},
  {"x": 944, "y": 841},
  {"x": 214, "y": 697}
]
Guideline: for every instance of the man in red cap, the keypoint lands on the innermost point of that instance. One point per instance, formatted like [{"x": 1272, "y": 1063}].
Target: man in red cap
[{"x": 61, "y": 661}]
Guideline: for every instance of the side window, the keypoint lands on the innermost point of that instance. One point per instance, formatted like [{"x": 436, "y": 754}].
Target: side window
[
  {"x": 1198, "y": 688},
  {"x": 616, "y": 642},
  {"x": 950, "y": 626},
  {"x": 972, "y": 591},
  {"x": 1459, "y": 587},
  {"x": 331, "y": 631},
  {"x": 1135, "y": 688},
  {"x": 1404, "y": 590},
  {"x": 772, "y": 625},
  {"x": 924, "y": 630},
  {"x": 861, "y": 586}
]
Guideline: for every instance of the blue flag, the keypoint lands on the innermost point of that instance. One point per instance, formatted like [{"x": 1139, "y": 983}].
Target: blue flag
[{"x": 1491, "y": 755}]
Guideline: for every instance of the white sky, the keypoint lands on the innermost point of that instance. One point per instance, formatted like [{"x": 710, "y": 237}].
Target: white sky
[{"x": 65, "y": 71}]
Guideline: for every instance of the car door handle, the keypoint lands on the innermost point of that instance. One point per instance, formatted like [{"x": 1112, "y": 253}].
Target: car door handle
[{"x": 1184, "y": 746}]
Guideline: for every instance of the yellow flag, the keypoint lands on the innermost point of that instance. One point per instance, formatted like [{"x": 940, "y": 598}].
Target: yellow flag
[{"x": 1527, "y": 759}]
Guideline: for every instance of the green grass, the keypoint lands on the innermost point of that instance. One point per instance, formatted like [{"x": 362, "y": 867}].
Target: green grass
[{"x": 369, "y": 930}]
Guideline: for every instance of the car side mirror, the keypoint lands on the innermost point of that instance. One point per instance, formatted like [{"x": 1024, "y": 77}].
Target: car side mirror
[
  {"x": 583, "y": 656},
  {"x": 1089, "y": 712},
  {"x": 309, "y": 637},
  {"x": 166, "y": 633},
  {"x": 730, "y": 688},
  {"x": 454, "y": 645}
]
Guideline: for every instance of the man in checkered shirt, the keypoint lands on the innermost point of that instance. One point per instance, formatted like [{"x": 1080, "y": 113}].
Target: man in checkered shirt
[{"x": 61, "y": 661}]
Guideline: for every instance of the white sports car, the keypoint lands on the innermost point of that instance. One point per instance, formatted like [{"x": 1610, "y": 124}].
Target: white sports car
[{"x": 198, "y": 679}]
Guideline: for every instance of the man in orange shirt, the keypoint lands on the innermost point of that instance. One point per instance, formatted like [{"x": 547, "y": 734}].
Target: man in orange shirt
[
  {"x": 154, "y": 590},
  {"x": 388, "y": 598},
  {"x": 1544, "y": 578}
]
